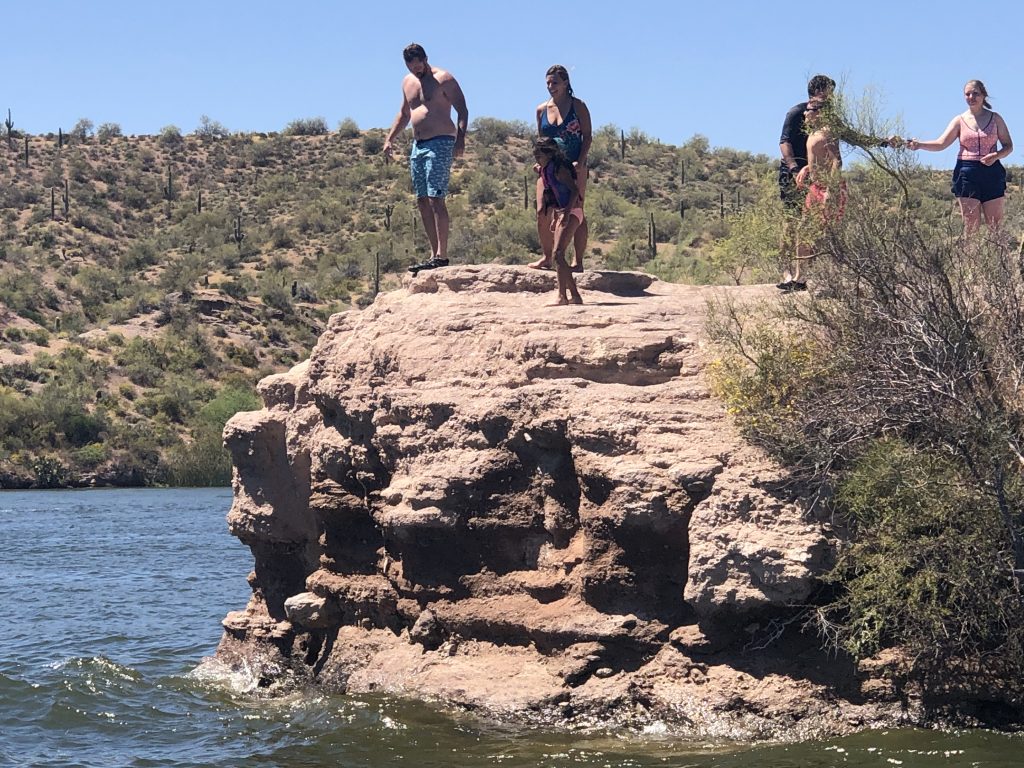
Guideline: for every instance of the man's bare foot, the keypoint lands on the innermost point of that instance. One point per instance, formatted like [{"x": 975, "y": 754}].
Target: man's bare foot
[
  {"x": 577, "y": 267},
  {"x": 540, "y": 264},
  {"x": 576, "y": 300},
  {"x": 562, "y": 301}
]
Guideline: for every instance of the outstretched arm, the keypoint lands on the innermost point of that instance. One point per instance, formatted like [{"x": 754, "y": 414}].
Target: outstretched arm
[{"x": 939, "y": 144}]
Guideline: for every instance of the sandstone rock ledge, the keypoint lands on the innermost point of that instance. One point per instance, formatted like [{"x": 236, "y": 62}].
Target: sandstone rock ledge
[{"x": 469, "y": 496}]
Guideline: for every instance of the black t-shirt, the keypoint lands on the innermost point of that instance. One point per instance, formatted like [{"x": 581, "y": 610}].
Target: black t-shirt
[{"x": 793, "y": 132}]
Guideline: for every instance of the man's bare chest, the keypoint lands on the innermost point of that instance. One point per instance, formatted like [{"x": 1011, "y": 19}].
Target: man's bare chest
[{"x": 429, "y": 94}]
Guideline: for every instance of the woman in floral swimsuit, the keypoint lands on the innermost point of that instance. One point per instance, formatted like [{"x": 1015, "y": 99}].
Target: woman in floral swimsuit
[{"x": 565, "y": 119}]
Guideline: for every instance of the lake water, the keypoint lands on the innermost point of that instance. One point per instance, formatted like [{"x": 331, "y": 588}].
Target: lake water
[{"x": 113, "y": 598}]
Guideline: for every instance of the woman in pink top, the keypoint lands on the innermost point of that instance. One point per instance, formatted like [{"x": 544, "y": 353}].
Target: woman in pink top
[{"x": 979, "y": 179}]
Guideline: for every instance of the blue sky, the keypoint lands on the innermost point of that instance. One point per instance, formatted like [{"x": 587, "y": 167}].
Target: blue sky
[{"x": 727, "y": 70}]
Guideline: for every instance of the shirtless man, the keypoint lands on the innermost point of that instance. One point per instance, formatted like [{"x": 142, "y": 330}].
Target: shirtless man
[
  {"x": 826, "y": 191},
  {"x": 428, "y": 96}
]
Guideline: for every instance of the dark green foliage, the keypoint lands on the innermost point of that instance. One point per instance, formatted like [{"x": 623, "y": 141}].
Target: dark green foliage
[
  {"x": 205, "y": 462},
  {"x": 928, "y": 568}
]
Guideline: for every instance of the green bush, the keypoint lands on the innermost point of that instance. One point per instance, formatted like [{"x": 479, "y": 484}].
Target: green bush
[
  {"x": 928, "y": 569},
  {"x": 108, "y": 131},
  {"x": 211, "y": 129},
  {"x": 373, "y": 142},
  {"x": 170, "y": 137},
  {"x": 348, "y": 129},
  {"x": 306, "y": 126},
  {"x": 490, "y": 131}
]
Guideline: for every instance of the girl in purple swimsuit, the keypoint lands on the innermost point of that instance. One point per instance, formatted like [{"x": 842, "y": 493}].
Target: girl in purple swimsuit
[{"x": 561, "y": 196}]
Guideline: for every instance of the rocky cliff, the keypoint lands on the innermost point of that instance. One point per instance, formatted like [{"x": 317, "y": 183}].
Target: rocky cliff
[{"x": 469, "y": 495}]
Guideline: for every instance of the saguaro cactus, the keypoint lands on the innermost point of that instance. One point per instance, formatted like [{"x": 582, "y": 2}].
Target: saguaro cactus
[
  {"x": 238, "y": 235},
  {"x": 169, "y": 186},
  {"x": 652, "y": 238},
  {"x": 10, "y": 127},
  {"x": 622, "y": 143},
  {"x": 199, "y": 202},
  {"x": 26, "y": 151}
]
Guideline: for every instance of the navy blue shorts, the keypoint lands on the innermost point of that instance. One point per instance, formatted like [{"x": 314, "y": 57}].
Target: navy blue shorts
[{"x": 974, "y": 179}]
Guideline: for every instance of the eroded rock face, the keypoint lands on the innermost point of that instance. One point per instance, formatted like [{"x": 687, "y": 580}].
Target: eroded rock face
[{"x": 468, "y": 494}]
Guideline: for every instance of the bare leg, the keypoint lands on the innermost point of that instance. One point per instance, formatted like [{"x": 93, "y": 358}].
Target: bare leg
[
  {"x": 429, "y": 224},
  {"x": 544, "y": 233},
  {"x": 993, "y": 211},
  {"x": 441, "y": 222},
  {"x": 565, "y": 229},
  {"x": 579, "y": 240},
  {"x": 970, "y": 209}
]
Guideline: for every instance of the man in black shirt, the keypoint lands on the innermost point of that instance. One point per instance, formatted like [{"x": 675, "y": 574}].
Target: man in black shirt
[{"x": 793, "y": 142}]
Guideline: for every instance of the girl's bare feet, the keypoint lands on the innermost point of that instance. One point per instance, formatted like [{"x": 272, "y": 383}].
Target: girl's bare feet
[{"x": 541, "y": 263}]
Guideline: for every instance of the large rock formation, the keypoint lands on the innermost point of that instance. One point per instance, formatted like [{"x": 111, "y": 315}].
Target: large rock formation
[{"x": 470, "y": 495}]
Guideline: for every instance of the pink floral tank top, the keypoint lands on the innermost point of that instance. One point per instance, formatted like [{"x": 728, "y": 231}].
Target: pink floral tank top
[{"x": 975, "y": 144}]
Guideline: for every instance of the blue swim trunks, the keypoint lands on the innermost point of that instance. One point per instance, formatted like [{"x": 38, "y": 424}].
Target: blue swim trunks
[{"x": 430, "y": 163}]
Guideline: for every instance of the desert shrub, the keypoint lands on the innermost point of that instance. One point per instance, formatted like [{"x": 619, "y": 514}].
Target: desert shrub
[
  {"x": 276, "y": 297},
  {"x": 142, "y": 361},
  {"x": 490, "y": 131},
  {"x": 48, "y": 471},
  {"x": 170, "y": 137},
  {"x": 91, "y": 456},
  {"x": 108, "y": 131},
  {"x": 306, "y": 126},
  {"x": 201, "y": 463},
  {"x": 912, "y": 575},
  {"x": 483, "y": 189},
  {"x": 81, "y": 130},
  {"x": 348, "y": 129},
  {"x": 752, "y": 245},
  {"x": 210, "y": 129},
  {"x": 373, "y": 142}
]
